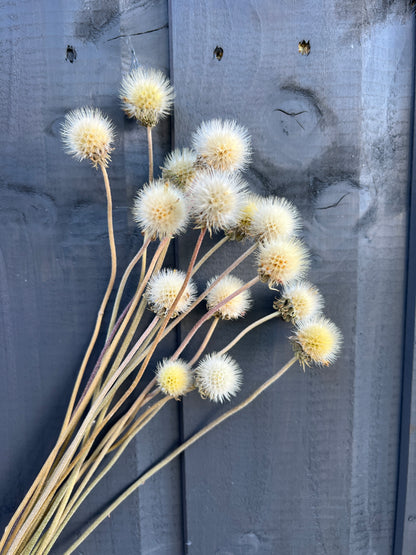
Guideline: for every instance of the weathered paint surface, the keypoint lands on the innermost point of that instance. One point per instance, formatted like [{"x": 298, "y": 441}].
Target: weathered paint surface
[{"x": 311, "y": 467}]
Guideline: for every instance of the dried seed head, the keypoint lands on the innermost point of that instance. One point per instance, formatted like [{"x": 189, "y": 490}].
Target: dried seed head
[
  {"x": 300, "y": 300},
  {"x": 218, "y": 377},
  {"x": 174, "y": 377},
  {"x": 160, "y": 209},
  {"x": 163, "y": 289},
  {"x": 275, "y": 217},
  {"x": 88, "y": 134},
  {"x": 179, "y": 167},
  {"x": 249, "y": 208},
  {"x": 222, "y": 145},
  {"x": 216, "y": 199},
  {"x": 236, "y": 307},
  {"x": 146, "y": 95},
  {"x": 316, "y": 340},
  {"x": 282, "y": 260}
]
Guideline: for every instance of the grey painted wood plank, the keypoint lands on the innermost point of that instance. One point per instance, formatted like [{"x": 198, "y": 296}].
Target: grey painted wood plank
[
  {"x": 312, "y": 466},
  {"x": 54, "y": 259}
]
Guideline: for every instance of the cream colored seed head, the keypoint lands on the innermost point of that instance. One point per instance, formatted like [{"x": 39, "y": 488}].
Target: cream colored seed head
[
  {"x": 248, "y": 210},
  {"x": 216, "y": 199},
  {"x": 218, "y": 377},
  {"x": 317, "y": 340},
  {"x": 174, "y": 377},
  {"x": 222, "y": 145},
  {"x": 236, "y": 307},
  {"x": 179, "y": 167},
  {"x": 146, "y": 95},
  {"x": 88, "y": 134},
  {"x": 275, "y": 217},
  {"x": 300, "y": 300},
  {"x": 282, "y": 260},
  {"x": 160, "y": 209},
  {"x": 163, "y": 289}
]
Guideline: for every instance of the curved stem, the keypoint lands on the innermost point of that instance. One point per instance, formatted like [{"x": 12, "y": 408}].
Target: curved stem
[
  {"x": 140, "y": 481},
  {"x": 105, "y": 299},
  {"x": 236, "y": 339}
]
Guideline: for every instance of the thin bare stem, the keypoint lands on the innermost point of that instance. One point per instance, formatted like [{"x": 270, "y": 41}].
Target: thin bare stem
[
  {"x": 81, "y": 407},
  {"x": 246, "y": 330},
  {"x": 205, "y": 341},
  {"x": 29, "y": 499},
  {"x": 150, "y": 149},
  {"x": 141, "y": 254},
  {"x": 217, "y": 245},
  {"x": 140, "y": 481}
]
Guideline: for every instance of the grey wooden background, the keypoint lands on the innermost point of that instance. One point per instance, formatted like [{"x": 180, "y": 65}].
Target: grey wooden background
[{"x": 313, "y": 466}]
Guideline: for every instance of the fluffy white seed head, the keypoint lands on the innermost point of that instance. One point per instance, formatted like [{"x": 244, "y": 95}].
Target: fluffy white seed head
[
  {"x": 174, "y": 377},
  {"x": 179, "y": 167},
  {"x": 160, "y": 209},
  {"x": 248, "y": 210},
  {"x": 146, "y": 95},
  {"x": 275, "y": 217},
  {"x": 282, "y": 260},
  {"x": 317, "y": 340},
  {"x": 236, "y": 307},
  {"x": 88, "y": 134},
  {"x": 164, "y": 287},
  {"x": 218, "y": 377},
  {"x": 299, "y": 301},
  {"x": 216, "y": 199},
  {"x": 222, "y": 145}
]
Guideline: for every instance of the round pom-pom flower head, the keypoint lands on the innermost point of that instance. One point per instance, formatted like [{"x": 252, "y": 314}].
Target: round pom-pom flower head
[
  {"x": 300, "y": 300},
  {"x": 163, "y": 289},
  {"x": 216, "y": 199},
  {"x": 234, "y": 308},
  {"x": 87, "y": 135},
  {"x": 222, "y": 145},
  {"x": 282, "y": 260},
  {"x": 160, "y": 209},
  {"x": 274, "y": 218},
  {"x": 174, "y": 377},
  {"x": 316, "y": 340},
  {"x": 179, "y": 167},
  {"x": 147, "y": 96},
  {"x": 218, "y": 377}
]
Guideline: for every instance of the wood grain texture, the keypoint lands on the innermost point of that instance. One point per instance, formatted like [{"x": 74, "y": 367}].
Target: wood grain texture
[
  {"x": 54, "y": 258},
  {"x": 312, "y": 466}
]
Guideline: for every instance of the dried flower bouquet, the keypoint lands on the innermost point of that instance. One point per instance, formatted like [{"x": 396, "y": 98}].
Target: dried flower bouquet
[{"x": 202, "y": 187}]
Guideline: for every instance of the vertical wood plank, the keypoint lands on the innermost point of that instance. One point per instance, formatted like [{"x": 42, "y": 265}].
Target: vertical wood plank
[
  {"x": 312, "y": 466},
  {"x": 54, "y": 258}
]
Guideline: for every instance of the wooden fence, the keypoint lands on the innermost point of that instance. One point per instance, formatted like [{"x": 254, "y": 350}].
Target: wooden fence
[{"x": 320, "y": 464}]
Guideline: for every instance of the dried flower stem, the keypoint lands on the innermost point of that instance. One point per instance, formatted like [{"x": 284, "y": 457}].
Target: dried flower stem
[
  {"x": 217, "y": 245},
  {"x": 205, "y": 341},
  {"x": 140, "y": 254},
  {"x": 29, "y": 499},
  {"x": 140, "y": 481},
  {"x": 150, "y": 149},
  {"x": 236, "y": 339},
  {"x": 27, "y": 522}
]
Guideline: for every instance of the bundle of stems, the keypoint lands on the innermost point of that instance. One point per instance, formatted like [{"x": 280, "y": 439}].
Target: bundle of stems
[{"x": 107, "y": 410}]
